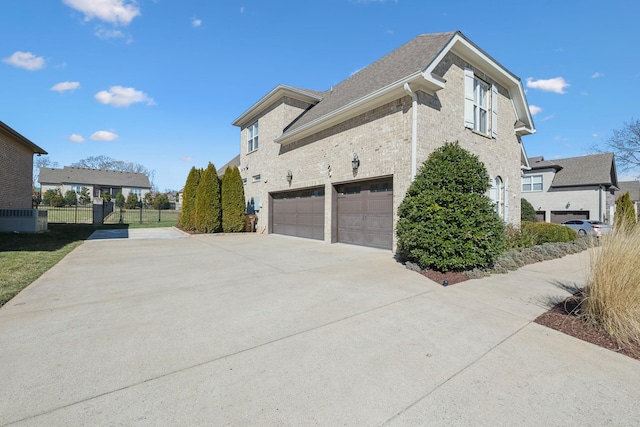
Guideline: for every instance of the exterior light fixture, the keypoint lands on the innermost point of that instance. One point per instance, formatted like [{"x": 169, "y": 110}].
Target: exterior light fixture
[
  {"x": 355, "y": 163},
  {"x": 289, "y": 176}
]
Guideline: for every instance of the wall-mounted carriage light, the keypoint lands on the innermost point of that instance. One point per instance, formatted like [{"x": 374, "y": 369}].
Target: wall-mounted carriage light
[
  {"x": 289, "y": 176},
  {"x": 355, "y": 163}
]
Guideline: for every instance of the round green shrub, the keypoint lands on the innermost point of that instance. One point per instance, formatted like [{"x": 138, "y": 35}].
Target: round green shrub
[
  {"x": 546, "y": 232},
  {"x": 446, "y": 221},
  {"x": 527, "y": 211}
]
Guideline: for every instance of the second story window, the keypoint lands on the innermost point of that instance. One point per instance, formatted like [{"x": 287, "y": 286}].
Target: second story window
[
  {"x": 480, "y": 106},
  {"x": 532, "y": 183},
  {"x": 252, "y": 138}
]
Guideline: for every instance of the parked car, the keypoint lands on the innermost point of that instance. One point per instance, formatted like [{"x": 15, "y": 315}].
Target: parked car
[{"x": 588, "y": 227}]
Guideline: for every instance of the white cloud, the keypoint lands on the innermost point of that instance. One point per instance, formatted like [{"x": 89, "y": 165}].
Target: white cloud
[
  {"x": 119, "y": 96},
  {"x": 534, "y": 109},
  {"x": 74, "y": 137},
  {"x": 103, "y": 135},
  {"x": 26, "y": 60},
  {"x": 597, "y": 75},
  {"x": 65, "y": 86},
  {"x": 117, "y": 12},
  {"x": 108, "y": 33},
  {"x": 187, "y": 159},
  {"x": 560, "y": 138},
  {"x": 196, "y": 22},
  {"x": 595, "y": 135},
  {"x": 556, "y": 85}
]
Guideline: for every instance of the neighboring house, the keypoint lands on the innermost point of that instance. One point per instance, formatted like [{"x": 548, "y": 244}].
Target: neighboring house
[
  {"x": 335, "y": 165},
  {"x": 633, "y": 188},
  {"x": 574, "y": 188},
  {"x": 231, "y": 163},
  {"x": 97, "y": 182},
  {"x": 16, "y": 182},
  {"x": 16, "y": 168}
]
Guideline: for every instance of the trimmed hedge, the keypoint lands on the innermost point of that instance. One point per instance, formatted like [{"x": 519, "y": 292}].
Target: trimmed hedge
[{"x": 546, "y": 232}]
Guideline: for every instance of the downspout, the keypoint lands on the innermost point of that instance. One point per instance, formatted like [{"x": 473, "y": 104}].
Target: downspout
[
  {"x": 414, "y": 130},
  {"x": 600, "y": 216}
]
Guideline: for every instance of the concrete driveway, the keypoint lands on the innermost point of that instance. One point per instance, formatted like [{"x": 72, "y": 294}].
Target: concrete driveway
[{"x": 270, "y": 330}]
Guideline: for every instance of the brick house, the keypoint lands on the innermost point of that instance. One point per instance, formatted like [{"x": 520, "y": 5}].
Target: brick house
[
  {"x": 97, "y": 182},
  {"x": 16, "y": 168},
  {"x": 16, "y": 185},
  {"x": 335, "y": 165},
  {"x": 572, "y": 188}
]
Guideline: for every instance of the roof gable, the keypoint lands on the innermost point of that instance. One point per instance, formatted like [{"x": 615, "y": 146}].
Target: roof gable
[
  {"x": 411, "y": 67},
  {"x": 36, "y": 150},
  {"x": 79, "y": 176}
]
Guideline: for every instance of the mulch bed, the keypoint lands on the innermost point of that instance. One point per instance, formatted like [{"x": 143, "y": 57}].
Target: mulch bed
[
  {"x": 563, "y": 317},
  {"x": 451, "y": 277}
]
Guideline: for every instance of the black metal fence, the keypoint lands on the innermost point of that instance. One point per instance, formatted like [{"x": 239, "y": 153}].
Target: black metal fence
[{"x": 107, "y": 213}]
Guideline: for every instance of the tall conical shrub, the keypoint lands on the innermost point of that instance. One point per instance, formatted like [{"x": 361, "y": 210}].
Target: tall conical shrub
[
  {"x": 233, "y": 206},
  {"x": 188, "y": 214},
  {"x": 208, "y": 205},
  {"x": 446, "y": 220},
  {"x": 625, "y": 217}
]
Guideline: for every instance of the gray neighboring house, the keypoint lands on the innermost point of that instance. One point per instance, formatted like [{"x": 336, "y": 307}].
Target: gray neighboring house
[
  {"x": 574, "y": 188},
  {"x": 633, "y": 188},
  {"x": 335, "y": 165},
  {"x": 16, "y": 183},
  {"x": 97, "y": 181}
]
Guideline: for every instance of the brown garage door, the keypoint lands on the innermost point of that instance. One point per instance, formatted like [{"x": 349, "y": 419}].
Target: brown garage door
[
  {"x": 299, "y": 213},
  {"x": 365, "y": 213},
  {"x": 559, "y": 217}
]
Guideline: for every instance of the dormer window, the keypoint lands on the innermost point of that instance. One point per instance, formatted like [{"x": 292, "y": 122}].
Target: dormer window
[{"x": 252, "y": 138}]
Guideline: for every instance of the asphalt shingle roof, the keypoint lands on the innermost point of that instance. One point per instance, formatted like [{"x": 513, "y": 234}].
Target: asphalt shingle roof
[
  {"x": 595, "y": 169},
  {"x": 79, "y": 176},
  {"x": 631, "y": 187},
  {"x": 410, "y": 58},
  {"x": 231, "y": 163}
]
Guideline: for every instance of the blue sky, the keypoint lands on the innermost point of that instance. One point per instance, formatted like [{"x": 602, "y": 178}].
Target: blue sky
[{"x": 158, "y": 82}]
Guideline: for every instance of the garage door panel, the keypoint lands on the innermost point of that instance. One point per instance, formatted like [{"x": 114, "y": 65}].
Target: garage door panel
[
  {"x": 365, "y": 214},
  {"x": 299, "y": 213},
  {"x": 558, "y": 217}
]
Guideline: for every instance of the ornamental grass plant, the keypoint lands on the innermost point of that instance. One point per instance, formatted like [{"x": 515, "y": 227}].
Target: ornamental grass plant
[{"x": 612, "y": 296}]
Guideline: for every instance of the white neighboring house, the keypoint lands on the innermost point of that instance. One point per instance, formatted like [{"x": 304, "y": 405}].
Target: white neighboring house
[
  {"x": 97, "y": 181},
  {"x": 573, "y": 188}
]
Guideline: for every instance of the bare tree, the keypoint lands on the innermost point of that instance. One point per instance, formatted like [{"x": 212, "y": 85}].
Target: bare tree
[
  {"x": 625, "y": 144},
  {"x": 41, "y": 162}
]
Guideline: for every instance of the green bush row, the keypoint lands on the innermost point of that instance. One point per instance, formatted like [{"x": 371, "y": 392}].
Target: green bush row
[{"x": 537, "y": 233}]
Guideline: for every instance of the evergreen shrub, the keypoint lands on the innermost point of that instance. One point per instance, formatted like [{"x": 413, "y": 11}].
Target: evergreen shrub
[
  {"x": 233, "y": 206},
  {"x": 208, "y": 203},
  {"x": 446, "y": 221}
]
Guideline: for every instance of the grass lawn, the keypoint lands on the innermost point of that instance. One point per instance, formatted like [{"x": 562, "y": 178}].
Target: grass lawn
[
  {"x": 149, "y": 217},
  {"x": 25, "y": 257},
  {"x": 69, "y": 214}
]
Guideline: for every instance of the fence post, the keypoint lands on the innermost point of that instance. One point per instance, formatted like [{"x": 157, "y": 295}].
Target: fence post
[
  {"x": 159, "y": 214},
  {"x": 140, "y": 211},
  {"x": 76, "y": 221}
]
